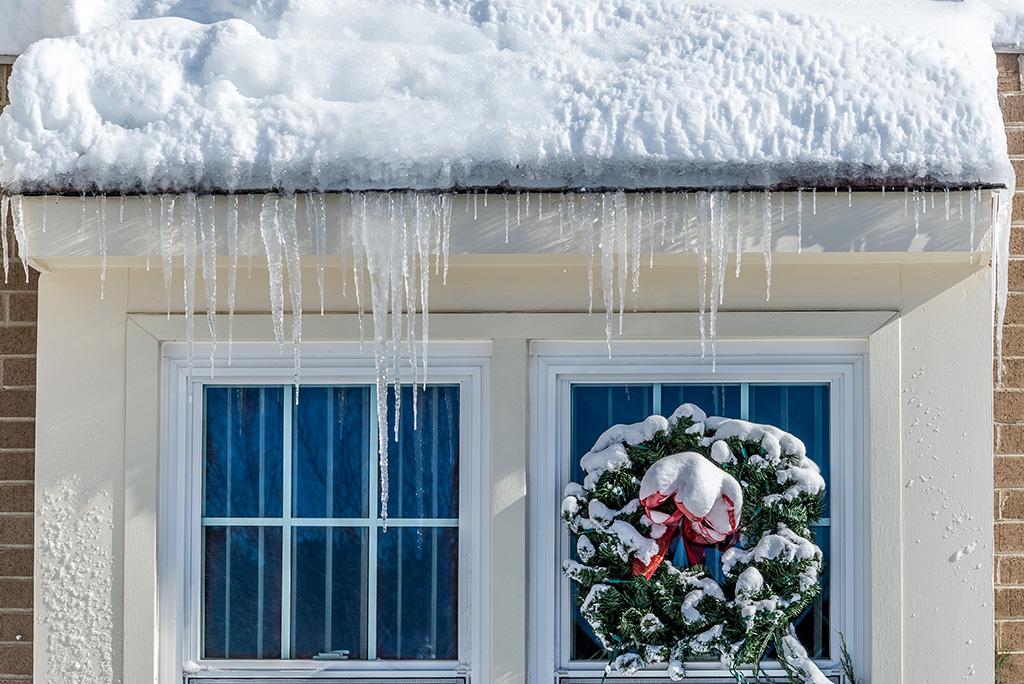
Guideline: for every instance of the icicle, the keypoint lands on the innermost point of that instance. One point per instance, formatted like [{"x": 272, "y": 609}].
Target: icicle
[
  {"x": 45, "y": 197},
  {"x": 917, "y": 213},
  {"x": 320, "y": 225},
  {"x": 18, "y": 217},
  {"x": 188, "y": 243},
  {"x": 766, "y": 222},
  {"x": 167, "y": 243},
  {"x": 638, "y": 215},
  {"x": 702, "y": 201},
  {"x": 527, "y": 204},
  {"x": 344, "y": 217},
  {"x": 289, "y": 232},
  {"x": 4, "y": 203},
  {"x": 588, "y": 239},
  {"x": 883, "y": 190},
  {"x": 476, "y": 206},
  {"x": 782, "y": 207},
  {"x": 849, "y": 196},
  {"x": 607, "y": 247},
  {"x": 946, "y": 199},
  {"x": 232, "y": 266},
  {"x": 1000, "y": 268},
  {"x": 250, "y": 222},
  {"x": 540, "y": 206},
  {"x": 148, "y": 200},
  {"x": 519, "y": 208},
  {"x": 674, "y": 231},
  {"x": 931, "y": 193},
  {"x": 799, "y": 220},
  {"x": 270, "y": 229},
  {"x": 101, "y": 233},
  {"x": 358, "y": 258},
  {"x": 396, "y": 262},
  {"x": 423, "y": 249},
  {"x": 974, "y": 208},
  {"x": 637, "y": 249},
  {"x": 507, "y": 218},
  {"x": 120, "y": 209},
  {"x": 81, "y": 229},
  {"x": 446, "y": 227},
  {"x": 208, "y": 241},
  {"x": 924, "y": 202},
  {"x": 664, "y": 213},
  {"x": 620, "y": 217},
  {"x": 960, "y": 203},
  {"x": 739, "y": 230},
  {"x": 906, "y": 202},
  {"x": 561, "y": 216},
  {"x": 485, "y": 197}
]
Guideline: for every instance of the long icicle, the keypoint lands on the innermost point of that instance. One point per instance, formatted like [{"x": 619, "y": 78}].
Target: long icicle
[
  {"x": 208, "y": 242},
  {"x": 188, "y": 242},
  {"x": 167, "y": 243},
  {"x": 18, "y": 218},
  {"x": 290, "y": 240},
  {"x": 232, "y": 266},
  {"x": 270, "y": 229},
  {"x": 101, "y": 233},
  {"x": 4, "y": 208}
]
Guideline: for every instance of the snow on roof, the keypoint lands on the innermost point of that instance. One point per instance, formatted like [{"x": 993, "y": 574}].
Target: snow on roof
[{"x": 450, "y": 94}]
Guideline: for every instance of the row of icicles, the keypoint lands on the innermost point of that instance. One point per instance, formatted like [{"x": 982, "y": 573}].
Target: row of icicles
[{"x": 397, "y": 238}]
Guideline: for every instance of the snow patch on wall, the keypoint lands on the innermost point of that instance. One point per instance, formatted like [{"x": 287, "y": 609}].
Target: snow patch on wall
[{"x": 74, "y": 570}]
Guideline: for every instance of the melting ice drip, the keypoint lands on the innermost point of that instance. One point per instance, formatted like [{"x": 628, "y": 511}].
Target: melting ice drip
[{"x": 397, "y": 238}]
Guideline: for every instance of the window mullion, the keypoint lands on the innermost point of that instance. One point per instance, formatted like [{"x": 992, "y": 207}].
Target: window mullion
[
  {"x": 286, "y": 527},
  {"x": 744, "y": 401},
  {"x": 329, "y": 535}
]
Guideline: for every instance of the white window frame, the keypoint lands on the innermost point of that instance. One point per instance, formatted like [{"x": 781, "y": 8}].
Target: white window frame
[
  {"x": 557, "y": 365},
  {"x": 466, "y": 364}
]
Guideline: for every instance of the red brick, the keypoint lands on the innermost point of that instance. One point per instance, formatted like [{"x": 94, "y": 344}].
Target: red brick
[
  {"x": 1008, "y": 405},
  {"x": 17, "y": 434},
  {"x": 1009, "y": 602},
  {"x": 1008, "y": 65},
  {"x": 21, "y": 372},
  {"x": 14, "y": 625},
  {"x": 1013, "y": 340},
  {"x": 16, "y": 593},
  {"x": 1018, "y": 211},
  {"x": 17, "y": 465},
  {"x": 17, "y": 498},
  {"x": 1010, "y": 537},
  {"x": 22, "y": 306},
  {"x": 1015, "y": 275},
  {"x": 1010, "y": 570},
  {"x": 16, "y": 529},
  {"x": 17, "y": 340},
  {"x": 15, "y": 563},
  {"x": 1013, "y": 108},
  {"x": 1011, "y": 670},
  {"x": 1015, "y": 140},
  {"x": 1013, "y": 504},
  {"x": 16, "y": 659},
  {"x": 17, "y": 403},
  {"x": 16, "y": 281}
]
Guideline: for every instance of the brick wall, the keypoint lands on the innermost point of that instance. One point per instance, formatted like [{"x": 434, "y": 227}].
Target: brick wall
[
  {"x": 17, "y": 461},
  {"x": 1009, "y": 409}
]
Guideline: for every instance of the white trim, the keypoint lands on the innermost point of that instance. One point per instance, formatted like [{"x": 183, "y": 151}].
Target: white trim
[
  {"x": 558, "y": 364},
  {"x": 464, "y": 363}
]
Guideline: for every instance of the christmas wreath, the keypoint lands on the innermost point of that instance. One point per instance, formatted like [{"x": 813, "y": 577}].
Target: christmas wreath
[{"x": 746, "y": 489}]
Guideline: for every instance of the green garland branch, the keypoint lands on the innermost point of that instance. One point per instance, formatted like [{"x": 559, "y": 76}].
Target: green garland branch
[{"x": 747, "y": 489}]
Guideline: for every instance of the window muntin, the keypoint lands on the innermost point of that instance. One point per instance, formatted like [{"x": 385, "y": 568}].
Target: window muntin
[{"x": 310, "y": 574}]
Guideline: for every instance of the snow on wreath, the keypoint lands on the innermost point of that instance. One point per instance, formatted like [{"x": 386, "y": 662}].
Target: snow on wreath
[{"x": 746, "y": 489}]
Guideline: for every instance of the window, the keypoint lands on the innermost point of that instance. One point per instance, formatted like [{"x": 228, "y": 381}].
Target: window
[
  {"x": 580, "y": 397},
  {"x": 291, "y": 565}
]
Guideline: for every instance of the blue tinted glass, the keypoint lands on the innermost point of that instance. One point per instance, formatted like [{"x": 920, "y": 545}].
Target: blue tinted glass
[
  {"x": 242, "y": 592},
  {"x": 243, "y": 451},
  {"x": 331, "y": 455},
  {"x": 804, "y": 411},
  {"x": 595, "y": 408},
  {"x": 417, "y": 593},
  {"x": 714, "y": 400},
  {"x": 423, "y": 465},
  {"x": 330, "y": 590}
]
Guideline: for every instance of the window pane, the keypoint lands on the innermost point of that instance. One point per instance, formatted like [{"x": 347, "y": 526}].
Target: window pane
[
  {"x": 332, "y": 442},
  {"x": 714, "y": 400},
  {"x": 423, "y": 466},
  {"x": 595, "y": 408},
  {"x": 418, "y": 589},
  {"x": 243, "y": 440},
  {"x": 242, "y": 592},
  {"x": 330, "y": 593},
  {"x": 804, "y": 411}
]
